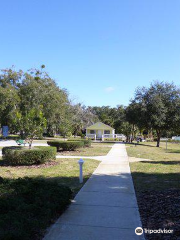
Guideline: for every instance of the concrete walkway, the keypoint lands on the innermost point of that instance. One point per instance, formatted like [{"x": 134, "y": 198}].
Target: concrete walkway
[{"x": 105, "y": 208}]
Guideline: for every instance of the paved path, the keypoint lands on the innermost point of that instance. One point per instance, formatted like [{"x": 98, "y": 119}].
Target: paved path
[{"x": 105, "y": 208}]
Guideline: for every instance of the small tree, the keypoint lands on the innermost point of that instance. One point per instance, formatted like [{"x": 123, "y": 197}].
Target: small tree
[
  {"x": 127, "y": 130},
  {"x": 65, "y": 128},
  {"x": 31, "y": 124}
]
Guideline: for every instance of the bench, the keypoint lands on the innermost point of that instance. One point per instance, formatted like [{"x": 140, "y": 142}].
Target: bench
[{"x": 21, "y": 142}]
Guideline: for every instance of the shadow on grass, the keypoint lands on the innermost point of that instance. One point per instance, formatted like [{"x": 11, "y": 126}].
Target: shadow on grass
[
  {"x": 44, "y": 199},
  {"x": 155, "y": 181},
  {"x": 162, "y": 162},
  {"x": 29, "y": 205},
  {"x": 139, "y": 144},
  {"x": 173, "y": 151},
  {"x": 158, "y": 200}
]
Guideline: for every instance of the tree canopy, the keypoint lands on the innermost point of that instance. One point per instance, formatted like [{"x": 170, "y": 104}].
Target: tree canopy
[
  {"x": 34, "y": 98},
  {"x": 156, "y": 107}
]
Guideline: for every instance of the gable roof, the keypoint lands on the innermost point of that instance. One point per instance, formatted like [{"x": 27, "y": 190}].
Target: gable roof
[{"x": 99, "y": 125}]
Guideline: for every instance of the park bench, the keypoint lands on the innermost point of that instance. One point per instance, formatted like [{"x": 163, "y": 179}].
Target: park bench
[{"x": 21, "y": 142}]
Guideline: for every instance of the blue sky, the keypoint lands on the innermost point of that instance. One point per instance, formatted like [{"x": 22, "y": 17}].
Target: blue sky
[{"x": 99, "y": 50}]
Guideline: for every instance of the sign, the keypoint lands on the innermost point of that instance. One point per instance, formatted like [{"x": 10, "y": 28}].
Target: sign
[{"x": 5, "y": 130}]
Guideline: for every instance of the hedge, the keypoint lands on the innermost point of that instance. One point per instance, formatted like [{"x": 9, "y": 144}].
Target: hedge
[
  {"x": 25, "y": 156},
  {"x": 28, "y": 206},
  {"x": 112, "y": 139},
  {"x": 66, "y": 145},
  {"x": 87, "y": 142}
]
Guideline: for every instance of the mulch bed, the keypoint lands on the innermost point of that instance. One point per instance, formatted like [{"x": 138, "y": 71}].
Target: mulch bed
[{"x": 160, "y": 210}]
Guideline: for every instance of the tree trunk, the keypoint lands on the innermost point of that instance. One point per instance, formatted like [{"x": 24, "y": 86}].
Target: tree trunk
[
  {"x": 30, "y": 143},
  {"x": 158, "y": 138}
]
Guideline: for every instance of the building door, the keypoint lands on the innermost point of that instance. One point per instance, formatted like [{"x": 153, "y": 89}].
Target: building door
[{"x": 99, "y": 134}]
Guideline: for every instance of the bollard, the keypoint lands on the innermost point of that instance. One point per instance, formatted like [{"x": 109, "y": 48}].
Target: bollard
[{"x": 81, "y": 170}]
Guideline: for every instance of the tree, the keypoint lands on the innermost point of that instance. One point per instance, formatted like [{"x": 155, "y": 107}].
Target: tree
[
  {"x": 9, "y": 101},
  {"x": 81, "y": 117},
  {"x": 158, "y": 107},
  {"x": 25, "y": 92},
  {"x": 126, "y": 129},
  {"x": 110, "y": 116},
  {"x": 39, "y": 90},
  {"x": 31, "y": 124}
]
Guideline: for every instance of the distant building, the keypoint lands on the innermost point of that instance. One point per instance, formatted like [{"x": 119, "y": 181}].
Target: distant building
[
  {"x": 176, "y": 138},
  {"x": 102, "y": 131}
]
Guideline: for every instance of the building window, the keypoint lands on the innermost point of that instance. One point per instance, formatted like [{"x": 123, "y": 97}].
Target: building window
[
  {"x": 92, "y": 132},
  {"x": 106, "y": 131}
]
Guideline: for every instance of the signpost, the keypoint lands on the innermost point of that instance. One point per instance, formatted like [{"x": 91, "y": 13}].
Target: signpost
[{"x": 5, "y": 131}]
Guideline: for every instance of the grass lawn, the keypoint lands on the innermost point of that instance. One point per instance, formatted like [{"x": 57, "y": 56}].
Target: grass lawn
[
  {"x": 29, "y": 206},
  {"x": 65, "y": 171},
  {"x": 157, "y": 185},
  {"x": 96, "y": 149}
]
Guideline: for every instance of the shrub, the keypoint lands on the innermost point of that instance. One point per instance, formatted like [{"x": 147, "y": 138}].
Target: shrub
[
  {"x": 112, "y": 139},
  {"x": 66, "y": 145},
  {"x": 86, "y": 142},
  {"x": 28, "y": 206},
  {"x": 75, "y": 139},
  {"x": 25, "y": 156}
]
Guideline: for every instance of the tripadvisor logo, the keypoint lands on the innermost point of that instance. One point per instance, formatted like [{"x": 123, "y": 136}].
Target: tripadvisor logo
[{"x": 139, "y": 231}]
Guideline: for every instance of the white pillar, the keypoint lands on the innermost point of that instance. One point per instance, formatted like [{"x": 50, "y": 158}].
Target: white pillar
[
  {"x": 113, "y": 132},
  {"x": 81, "y": 170}
]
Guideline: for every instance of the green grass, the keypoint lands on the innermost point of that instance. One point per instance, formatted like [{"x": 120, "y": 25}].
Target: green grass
[
  {"x": 162, "y": 169},
  {"x": 65, "y": 172},
  {"x": 33, "y": 197},
  {"x": 157, "y": 186},
  {"x": 96, "y": 149},
  {"x": 150, "y": 151},
  {"x": 28, "y": 206}
]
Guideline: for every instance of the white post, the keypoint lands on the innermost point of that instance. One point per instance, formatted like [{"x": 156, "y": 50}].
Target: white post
[{"x": 81, "y": 170}]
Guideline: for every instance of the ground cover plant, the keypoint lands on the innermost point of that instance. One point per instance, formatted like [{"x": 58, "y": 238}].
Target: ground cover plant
[
  {"x": 28, "y": 205},
  {"x": 157, "y": 185},
  {"x": 48, "y": 197}
]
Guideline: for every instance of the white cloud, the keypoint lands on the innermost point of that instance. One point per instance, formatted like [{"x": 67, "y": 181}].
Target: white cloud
[{"x": 109, "y": 89}]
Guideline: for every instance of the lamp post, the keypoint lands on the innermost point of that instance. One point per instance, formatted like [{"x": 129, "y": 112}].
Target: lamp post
[{"x": 81, "y": 170}]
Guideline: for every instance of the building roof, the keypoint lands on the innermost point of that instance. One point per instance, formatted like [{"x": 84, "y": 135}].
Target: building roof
[{"x": 99, "y": 126}]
